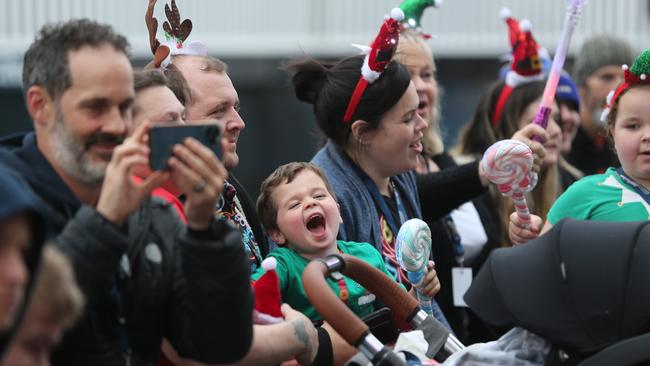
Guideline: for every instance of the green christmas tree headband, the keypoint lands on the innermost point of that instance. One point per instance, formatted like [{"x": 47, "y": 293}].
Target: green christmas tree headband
[
  {"x": 413, "y": 10},
  {"x": 637, "y": 74}
]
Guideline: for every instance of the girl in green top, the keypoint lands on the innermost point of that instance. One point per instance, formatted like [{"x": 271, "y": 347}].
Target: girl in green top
[
  {"x": 619, "y": 194},
  {"x": 299, "y": 211}
]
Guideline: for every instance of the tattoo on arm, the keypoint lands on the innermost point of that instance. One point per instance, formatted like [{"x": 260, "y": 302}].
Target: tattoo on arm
[{"x": 301, "y": 334}]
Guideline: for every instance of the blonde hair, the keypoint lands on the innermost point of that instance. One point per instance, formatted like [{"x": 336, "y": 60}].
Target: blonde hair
[
  {"x": 432, "y": 140},
  {"x": 206, "y": 63},
  {"x": 56, "y": 289}
]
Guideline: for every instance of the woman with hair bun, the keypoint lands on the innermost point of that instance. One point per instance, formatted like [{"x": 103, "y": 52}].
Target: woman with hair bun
[{"x": 374, "y": 140}]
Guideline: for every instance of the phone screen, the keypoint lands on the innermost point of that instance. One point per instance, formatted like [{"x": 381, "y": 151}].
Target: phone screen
[{"x": 163, "y": 138}]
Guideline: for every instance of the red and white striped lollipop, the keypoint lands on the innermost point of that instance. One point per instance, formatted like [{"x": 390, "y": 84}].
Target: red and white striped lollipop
[{"x": 507, "y": 164}]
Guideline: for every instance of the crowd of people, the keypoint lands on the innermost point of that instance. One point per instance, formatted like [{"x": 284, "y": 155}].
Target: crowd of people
[{"x": 105, "y": 261}]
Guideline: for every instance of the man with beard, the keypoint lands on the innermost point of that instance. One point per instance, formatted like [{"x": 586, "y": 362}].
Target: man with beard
[
  {"x": 144, "y": 273},
  {"x": 597, "y": 70}
]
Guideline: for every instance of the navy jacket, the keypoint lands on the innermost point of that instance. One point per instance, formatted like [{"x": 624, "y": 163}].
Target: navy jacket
[{"x": 18, "y": 199}]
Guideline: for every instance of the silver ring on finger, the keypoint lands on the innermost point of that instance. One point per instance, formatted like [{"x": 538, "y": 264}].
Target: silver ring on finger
[{"x": 199, "y": 186}]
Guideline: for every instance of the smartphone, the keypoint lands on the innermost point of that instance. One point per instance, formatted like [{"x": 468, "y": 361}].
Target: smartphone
[{"x": 163, "y": 138}]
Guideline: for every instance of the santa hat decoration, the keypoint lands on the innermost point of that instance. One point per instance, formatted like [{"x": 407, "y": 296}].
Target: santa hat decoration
[
  {"x": 267, "y": 295},
  {"x": 176, "y": 32},
  {"x": 413, "y": 10},
  {"x": 639, "y": 73},
  {"x": 378, "y": 56},
  {"x": 526, "y": 62}
]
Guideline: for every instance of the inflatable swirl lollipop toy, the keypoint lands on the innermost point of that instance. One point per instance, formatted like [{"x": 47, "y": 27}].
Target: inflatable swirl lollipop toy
[
  {"x": 413, "y": 247},
  {"x": 507, "y": 164}
]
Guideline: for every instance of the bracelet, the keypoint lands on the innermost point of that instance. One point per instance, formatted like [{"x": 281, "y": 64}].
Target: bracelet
[{"x": 325, "y": 354}]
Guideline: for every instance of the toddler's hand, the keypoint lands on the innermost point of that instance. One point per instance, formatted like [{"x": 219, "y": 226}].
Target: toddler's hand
[
  {"x": 519, "y": 233},
  {"x": 430, "y": 284}
]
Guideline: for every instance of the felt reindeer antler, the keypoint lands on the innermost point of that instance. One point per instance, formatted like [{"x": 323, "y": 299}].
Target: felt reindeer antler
[
  {"x": 173, "y": 25},
  {"x": 160, "y": 52},
  {"x": 176, "y": 32},
  {"x": 152, "y": 26}
]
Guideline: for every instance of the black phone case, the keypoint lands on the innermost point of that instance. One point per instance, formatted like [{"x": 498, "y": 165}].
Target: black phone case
[{"x": 163, "y": 138}]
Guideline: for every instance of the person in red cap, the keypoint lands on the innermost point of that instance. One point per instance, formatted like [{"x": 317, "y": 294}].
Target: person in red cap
[{"x": 508, "y": 106}]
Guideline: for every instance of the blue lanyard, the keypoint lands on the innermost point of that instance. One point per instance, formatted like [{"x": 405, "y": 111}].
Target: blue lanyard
[
  {"x": 642, "y": 191},
  {"x": 379, "y": 200}
]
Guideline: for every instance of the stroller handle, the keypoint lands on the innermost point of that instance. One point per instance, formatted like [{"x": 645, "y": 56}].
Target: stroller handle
[
  {"x": 351, "y": 328},
  {"x": 346, "y": 323}
]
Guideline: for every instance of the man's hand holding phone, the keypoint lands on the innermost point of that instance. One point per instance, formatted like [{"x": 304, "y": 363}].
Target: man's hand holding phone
[
  {"x": 189, "y": 152},
  {"x": 198, "y": 173}
]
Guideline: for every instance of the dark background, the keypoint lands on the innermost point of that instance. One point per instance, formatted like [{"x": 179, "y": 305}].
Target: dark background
[{"x": 279, "y": 128}]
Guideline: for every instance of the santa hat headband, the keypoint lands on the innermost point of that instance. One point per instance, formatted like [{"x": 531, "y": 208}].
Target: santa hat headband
[
  {"x": 378, "y": 56},
  {"x": 526, "y": 65},
  {"x": 176, "y": 32},
  {"x": 639, "y": 73},
  {"x": 413, "y": 10}
]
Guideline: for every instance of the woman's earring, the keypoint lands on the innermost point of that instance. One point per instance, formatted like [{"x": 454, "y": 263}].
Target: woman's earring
[{"x": 361, "y": 141}]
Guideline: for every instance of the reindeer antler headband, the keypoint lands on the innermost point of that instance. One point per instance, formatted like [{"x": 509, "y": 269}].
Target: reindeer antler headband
[{"x": 176, "y": 32}]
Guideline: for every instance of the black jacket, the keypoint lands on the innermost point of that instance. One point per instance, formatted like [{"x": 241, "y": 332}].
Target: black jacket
[
  {"x": 440, "y": 193},
  {"x": 164, "y": 280},
  {"x": 590, "y": 158}
]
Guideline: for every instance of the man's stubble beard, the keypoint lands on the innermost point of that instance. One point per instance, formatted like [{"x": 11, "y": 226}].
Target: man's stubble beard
[{"x": 73, "y": 155}]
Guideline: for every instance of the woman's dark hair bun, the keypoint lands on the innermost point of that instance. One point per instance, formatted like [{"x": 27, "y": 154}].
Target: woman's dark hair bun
[{"x": 308, "y": 77}]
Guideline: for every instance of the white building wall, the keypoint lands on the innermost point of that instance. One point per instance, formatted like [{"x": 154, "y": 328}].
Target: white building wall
[{"x": 281, "y": 28}]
